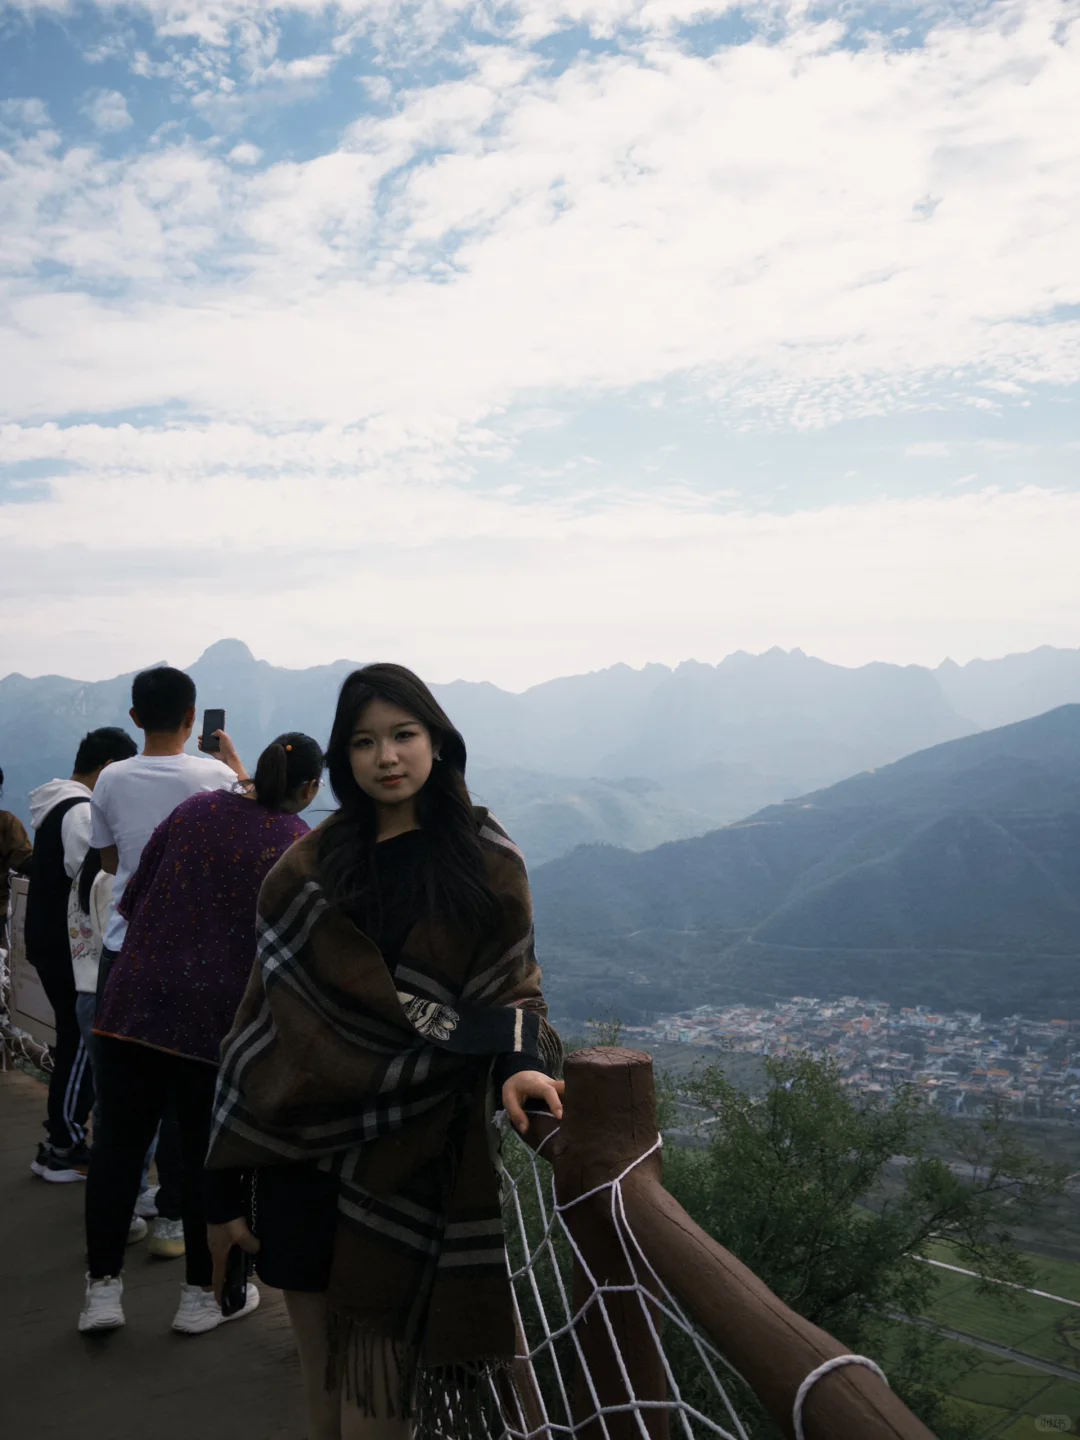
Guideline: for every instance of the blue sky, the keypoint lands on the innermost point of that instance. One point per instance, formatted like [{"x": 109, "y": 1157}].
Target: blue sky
[{"x": 510, "y": 341}]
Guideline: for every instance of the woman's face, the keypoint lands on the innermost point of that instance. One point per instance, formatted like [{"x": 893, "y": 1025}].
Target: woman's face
[{"x": 390, "y": 753}]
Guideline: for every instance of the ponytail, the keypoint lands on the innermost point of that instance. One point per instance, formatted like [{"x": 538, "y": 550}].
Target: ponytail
[{"x": 287, "y": 763}]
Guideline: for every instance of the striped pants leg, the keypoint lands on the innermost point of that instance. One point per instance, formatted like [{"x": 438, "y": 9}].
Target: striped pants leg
[{"x": 71, "y": 1085}]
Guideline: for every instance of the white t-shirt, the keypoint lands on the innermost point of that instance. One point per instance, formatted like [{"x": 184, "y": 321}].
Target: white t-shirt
[{"x": 131, "y": 798}]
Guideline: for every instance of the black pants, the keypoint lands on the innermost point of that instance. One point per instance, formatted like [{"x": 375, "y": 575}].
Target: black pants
[
  {"x": 168, "y": 1153},
  {"x": 71, "y": 1086},
  {"x": 136, "y": 1084}
]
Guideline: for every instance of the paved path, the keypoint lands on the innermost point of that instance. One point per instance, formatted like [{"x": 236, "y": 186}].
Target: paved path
[
  {"x": 990, "y": 1280},
  {"x": 1004, "y": 1352},
  {"x": 55, "y": 1384}
]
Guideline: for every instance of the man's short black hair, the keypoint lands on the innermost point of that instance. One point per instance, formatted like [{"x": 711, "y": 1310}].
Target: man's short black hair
[
  {"x": 162, "y": 697},
  {"x": 101, "y": 746}
]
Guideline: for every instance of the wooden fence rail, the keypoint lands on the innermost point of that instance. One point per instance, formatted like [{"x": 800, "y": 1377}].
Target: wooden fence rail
[{"x": 609, "y": 1124}]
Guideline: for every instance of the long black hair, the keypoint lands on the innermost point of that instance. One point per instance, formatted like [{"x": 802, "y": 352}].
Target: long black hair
[
  {"x": 452, "y": 874},
  {"x": 287, "y": 763},
  {"x": 91, "y": 868}
]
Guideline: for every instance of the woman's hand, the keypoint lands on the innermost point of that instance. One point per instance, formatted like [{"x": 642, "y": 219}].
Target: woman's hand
[
  {"x": 531, "y": 1085},
  {"x": 221, "y": 1239},
  {"x": 227, "y": 754}
]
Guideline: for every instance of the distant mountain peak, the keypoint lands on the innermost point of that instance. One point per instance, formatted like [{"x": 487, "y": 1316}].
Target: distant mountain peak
[{"x": 228, "y": 652}]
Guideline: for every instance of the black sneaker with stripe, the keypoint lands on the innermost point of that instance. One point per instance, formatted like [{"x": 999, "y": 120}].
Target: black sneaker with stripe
[{"x": 65, "y": 1166}]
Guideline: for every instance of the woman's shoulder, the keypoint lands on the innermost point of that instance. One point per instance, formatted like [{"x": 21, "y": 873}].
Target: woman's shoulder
[
  {"x": 204, "y": 803},
  {"x": 495, "y": 841}
]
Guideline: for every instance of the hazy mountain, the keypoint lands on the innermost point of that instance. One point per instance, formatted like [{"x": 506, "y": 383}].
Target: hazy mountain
[
  {"x": 997, "y": 692},
  {"x": 657, "y": 753},
  {"x": 951, "y": 877},
  {"x": 549, "y": 815}
]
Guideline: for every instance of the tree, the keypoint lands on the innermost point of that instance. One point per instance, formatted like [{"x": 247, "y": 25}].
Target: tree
[{"x": 830, "y": 1196}]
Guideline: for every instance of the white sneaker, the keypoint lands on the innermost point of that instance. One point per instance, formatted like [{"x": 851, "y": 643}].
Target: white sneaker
[
  {"x": 167, "y": 1239},
  {"x": 146, "y": 1204},
  {"x": 199, "y": 1311},
  {"x": 102, "y": 1309},
  {"x": 137, "y": 1230}
]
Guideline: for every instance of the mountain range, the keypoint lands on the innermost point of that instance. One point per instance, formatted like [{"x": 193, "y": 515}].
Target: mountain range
[
  {"x": 950, "y": 878},
  {"x": 622, "y": 756}
]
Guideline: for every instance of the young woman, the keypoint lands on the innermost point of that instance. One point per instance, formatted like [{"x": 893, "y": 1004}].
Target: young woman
[
  {"x": 169, "y": 999},
  {"x": 395, "y": 1002}
]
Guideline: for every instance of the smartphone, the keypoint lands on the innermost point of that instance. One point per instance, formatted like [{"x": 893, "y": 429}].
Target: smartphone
[
  {"x": 212, "y": 720},
  {"x": 238, "y": 1266}
]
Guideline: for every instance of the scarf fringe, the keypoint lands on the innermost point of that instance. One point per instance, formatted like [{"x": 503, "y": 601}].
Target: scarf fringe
[
  {"x": 383, "y": 1379},
  {"x": 376, "y": 1372}
]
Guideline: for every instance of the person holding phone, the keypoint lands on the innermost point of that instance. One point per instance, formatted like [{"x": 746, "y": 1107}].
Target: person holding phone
[
  {"x": 395, "y": 1000},
  {"x": 130, "y": 799},
  {"x": 171, "y": 995}
]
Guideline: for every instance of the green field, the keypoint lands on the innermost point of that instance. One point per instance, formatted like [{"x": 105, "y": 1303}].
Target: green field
[
  {"x": 1057, "y": 1277},
  {"x": 1001, "y": 1398}
]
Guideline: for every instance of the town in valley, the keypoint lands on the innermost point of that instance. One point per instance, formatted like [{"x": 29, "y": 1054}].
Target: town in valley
[{"x": 960, "y": 1061}]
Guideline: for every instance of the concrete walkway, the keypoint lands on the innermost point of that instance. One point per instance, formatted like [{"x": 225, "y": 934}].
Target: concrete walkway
[{"x": 142, "y": 1381}]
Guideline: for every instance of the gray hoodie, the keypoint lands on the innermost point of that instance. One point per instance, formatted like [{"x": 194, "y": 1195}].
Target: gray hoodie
[{"x": 75, "y": 826}]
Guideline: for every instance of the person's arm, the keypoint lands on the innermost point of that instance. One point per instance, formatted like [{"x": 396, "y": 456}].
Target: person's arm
[
  {"x": 101, "y": 903},
  {"x": 529, "y": 1074},
  {"x": 75, "y": 837},
  {"x": 226, "y": 1220},
  {"x": 227, "y": 754},
  {"x": 101, "y": 832},
  {"x": 16, "y": 851}
]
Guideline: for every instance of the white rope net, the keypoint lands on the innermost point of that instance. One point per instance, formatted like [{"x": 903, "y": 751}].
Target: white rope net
[
  {"x": 554, "y": 1392},
  {"x": 16, "y": 1046}
]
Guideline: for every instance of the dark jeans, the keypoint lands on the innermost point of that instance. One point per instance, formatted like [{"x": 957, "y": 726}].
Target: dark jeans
[
  {"x": 71, "y": 1088},
  {"x": 136, "y": 1083}
]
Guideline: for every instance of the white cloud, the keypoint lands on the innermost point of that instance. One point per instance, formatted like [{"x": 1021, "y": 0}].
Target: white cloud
[
  {"x": 30, "y": 113},
  {"x": 154, "y": 546},
  {"x": 746, "y": 216},
  {"x": 350, "y": 330},
  {"x": 928, "y": 450},
  {"x": 108, "y": 111},
  {"x": 245, "y": 154}
]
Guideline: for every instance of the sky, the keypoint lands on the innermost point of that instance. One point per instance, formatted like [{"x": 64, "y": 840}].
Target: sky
[{"x": 515, "y": 340}]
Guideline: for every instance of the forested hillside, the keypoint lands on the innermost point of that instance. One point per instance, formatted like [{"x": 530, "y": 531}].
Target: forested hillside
[{"x": 951, "y": 877}]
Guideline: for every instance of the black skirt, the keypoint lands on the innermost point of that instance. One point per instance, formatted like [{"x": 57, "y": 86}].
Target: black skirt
[{"x": 294, "y": 1217}]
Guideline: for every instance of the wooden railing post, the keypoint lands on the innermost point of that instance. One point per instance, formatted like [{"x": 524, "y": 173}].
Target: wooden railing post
[{"x": 609, "y": 1122}]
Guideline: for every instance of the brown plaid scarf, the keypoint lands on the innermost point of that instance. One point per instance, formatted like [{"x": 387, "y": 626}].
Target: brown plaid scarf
[{"x": 385, "y": 1082}]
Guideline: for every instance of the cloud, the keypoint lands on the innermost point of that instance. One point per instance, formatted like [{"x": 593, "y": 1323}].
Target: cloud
[
  {"x": 108, "y": 111},
  {"x": 23, "y": 113},
  {"x": 347, "y": 334},
  {"x": 245, "y": 154},
  {"x": 744, "y": 217},
  {"x": 154, "y": 545}
]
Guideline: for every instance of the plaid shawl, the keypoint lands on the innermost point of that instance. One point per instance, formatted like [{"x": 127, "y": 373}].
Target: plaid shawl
[{"x": 385, "y": 1081}]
